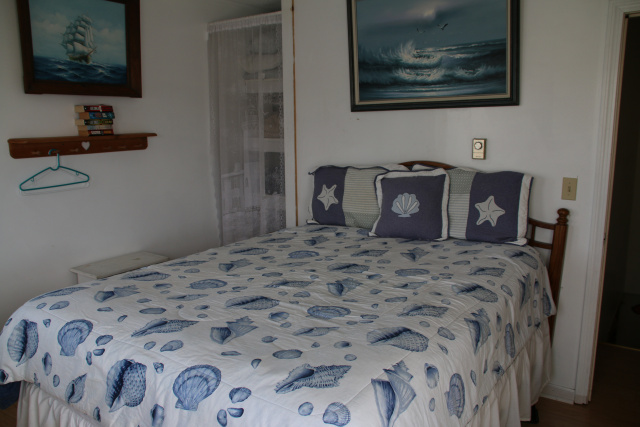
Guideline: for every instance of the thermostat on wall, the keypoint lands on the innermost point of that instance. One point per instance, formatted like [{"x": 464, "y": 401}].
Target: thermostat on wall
[{"x": 478, "y": 148}]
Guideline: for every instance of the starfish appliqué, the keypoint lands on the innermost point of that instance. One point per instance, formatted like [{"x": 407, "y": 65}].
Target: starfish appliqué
[
  {"x": 489, "y": 211},
  {"x": 327, "y": 197}
]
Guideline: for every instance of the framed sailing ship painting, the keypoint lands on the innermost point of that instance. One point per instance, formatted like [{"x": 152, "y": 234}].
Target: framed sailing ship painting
[
  {"x": 409, "y": 54},
  {"x": 81, "y": 47}
]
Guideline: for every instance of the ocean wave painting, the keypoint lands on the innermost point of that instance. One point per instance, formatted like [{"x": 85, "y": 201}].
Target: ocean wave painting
[
  {"x": 427, "y": 51},
  {"x": 77, "y": 72}
]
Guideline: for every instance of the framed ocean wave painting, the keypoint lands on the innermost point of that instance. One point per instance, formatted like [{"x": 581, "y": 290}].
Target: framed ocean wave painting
[
  {"x": 81, "y": 47},
  {"x": 409, "y": 54}
]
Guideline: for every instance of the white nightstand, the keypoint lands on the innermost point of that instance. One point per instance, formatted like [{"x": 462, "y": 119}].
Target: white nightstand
[{"x": 112, "y": 266}]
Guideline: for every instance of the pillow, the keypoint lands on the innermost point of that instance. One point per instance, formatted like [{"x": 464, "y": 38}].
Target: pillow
[
  {"x": 489, "y": 207},
  {"x": 413, "y": 205},
  {"x": 346, "y": 195}
]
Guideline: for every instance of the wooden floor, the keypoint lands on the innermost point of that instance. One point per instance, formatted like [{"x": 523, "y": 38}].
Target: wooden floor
[{"x": 615, "y": 400}]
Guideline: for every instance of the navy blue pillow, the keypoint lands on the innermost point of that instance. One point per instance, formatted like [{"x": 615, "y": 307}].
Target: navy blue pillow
[
  {"x": 489, "y": 207},
  {"x": 413, "y": 205}
]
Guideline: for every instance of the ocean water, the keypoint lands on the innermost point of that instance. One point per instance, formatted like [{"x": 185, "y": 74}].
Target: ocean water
[
  {"x": 409, "y": 72},
  {"x": 71, "y": 71}
]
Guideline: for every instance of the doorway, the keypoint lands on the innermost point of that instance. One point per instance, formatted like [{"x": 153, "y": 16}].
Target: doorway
[{"x": 620, "y": 308}]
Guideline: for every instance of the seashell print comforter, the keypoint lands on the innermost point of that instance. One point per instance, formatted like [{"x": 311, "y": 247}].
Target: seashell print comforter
[{"x": 310, "y": 326}]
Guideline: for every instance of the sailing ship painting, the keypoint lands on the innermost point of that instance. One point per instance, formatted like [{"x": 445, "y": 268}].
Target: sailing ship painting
[
  {"x": 79, "y": 41},
  {"x": 430, "y": 53}
]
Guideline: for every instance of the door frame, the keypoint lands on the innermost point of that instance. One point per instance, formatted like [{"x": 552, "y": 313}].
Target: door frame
[{"x": 605, "y": 156}]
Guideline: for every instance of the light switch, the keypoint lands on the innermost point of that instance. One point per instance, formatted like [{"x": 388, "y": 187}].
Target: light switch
[
  {"x": 569, "y": 188},
  {"x": 478, "y": 148}
]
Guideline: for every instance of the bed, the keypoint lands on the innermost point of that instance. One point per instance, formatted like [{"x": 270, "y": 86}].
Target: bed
[{"x": 322, "y": 324}]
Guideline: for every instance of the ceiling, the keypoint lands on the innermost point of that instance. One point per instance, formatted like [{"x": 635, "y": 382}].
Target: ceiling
[{"x": 265, "y": 5}]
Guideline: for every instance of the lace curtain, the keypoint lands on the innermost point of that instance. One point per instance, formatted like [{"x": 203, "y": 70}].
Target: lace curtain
[{"x": 247, "y": 126}]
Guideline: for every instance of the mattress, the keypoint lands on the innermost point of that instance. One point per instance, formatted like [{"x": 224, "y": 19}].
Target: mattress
[{"x": 313, "y": 326}]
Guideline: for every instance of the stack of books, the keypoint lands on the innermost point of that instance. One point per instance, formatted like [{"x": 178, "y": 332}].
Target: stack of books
[{"x": 94, "y": 120}]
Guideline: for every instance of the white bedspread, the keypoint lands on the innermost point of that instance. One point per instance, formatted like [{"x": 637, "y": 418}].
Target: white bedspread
[{"x": 308, "y": 326}]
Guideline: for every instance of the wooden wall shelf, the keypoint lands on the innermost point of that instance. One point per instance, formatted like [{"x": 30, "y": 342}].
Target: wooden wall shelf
[{"x": 24, "y": 148}]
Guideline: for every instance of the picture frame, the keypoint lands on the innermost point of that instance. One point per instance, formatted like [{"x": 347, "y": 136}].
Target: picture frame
[
  {"x": 415, "y": 54},
  {"x": 81, "y": 47}
]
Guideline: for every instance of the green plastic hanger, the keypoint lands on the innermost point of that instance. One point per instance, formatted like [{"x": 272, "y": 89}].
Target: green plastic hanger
[{"x": 83, "y": 177}]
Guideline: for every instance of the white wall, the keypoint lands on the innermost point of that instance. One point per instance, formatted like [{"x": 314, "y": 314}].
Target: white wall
[
  {"x": 159, "y": 199},
  {"x": 551, "y": 134}
]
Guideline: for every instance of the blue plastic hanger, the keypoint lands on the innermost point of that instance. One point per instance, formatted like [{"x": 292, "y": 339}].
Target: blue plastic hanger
[{"x": 83, "y": 177}]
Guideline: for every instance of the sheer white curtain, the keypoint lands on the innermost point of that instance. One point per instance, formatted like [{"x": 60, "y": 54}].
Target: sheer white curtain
[{"x": 245, "y": 57}]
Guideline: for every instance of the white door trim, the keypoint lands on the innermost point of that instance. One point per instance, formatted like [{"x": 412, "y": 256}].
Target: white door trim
[{"x": 606, "y": 136}]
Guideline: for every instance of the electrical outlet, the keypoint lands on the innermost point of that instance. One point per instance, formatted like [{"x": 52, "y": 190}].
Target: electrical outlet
[{"x": 569, "y": 188}]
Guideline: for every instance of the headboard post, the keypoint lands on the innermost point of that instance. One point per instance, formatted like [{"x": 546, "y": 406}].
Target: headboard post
[{"x": 556, "y": 260}]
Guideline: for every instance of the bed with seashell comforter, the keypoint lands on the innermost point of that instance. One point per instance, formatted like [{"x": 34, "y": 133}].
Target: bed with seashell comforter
[
  {"x": 392, "y": 324},
  {"x": 316, "y": 325}
]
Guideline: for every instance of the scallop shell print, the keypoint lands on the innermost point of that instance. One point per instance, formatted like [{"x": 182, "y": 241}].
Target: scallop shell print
[
  {"x": 126, "y": 384},
  {"x": 336, "y": 414},
  {"x": 394, "y": 396},
  {"x": 252, "y": 303},
  {"x": 399, "y": 337},
  {"x": 195, "y": 384},
  {"x": 22, "y": 344},
  {"x": 455, "y": 396},
  {"x": 405, "y": 205},
  {"x": 72, "y": 334},
  {"x": 312, "y": 376}
]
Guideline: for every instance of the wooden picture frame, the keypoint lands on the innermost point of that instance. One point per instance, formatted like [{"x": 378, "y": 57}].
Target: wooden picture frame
[
  {"x": 433, "y": 54},
  {"x": 106, "y": 63}
]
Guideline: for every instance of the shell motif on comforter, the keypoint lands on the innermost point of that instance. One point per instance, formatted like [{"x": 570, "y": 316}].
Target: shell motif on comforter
[{"x": 310, "y": 326}]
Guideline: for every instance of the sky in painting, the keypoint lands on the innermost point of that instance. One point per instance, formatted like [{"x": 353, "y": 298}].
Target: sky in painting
[
  {"x": 49, "y": 20},
  {"x": 385, "y": 24}
]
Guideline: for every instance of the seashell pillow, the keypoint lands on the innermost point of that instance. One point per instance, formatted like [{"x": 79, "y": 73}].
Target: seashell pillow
[
  {"x": 346, "y": 195},
  {"x": 413, "y": 205},
  {"x": 489, "y": 207}
]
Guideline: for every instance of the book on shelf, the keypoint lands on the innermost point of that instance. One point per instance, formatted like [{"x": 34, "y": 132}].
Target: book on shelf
[
  {"x": 85, "y": 122},
  {"x": 95, "y": 127},
  {"x": 95, "y": 132},
  {"x": 90, "y": 115},
  {"x": 100, "y": 108}
]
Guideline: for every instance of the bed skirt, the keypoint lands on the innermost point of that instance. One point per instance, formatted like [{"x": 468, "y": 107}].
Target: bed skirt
[{"x": 508, "y": 404}]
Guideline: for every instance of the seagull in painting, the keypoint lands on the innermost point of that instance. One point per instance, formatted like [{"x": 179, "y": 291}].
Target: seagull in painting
[{"x": 442, "y": 27}]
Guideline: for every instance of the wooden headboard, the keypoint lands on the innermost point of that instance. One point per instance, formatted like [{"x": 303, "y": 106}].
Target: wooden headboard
[{"x": 556, "y": 246}]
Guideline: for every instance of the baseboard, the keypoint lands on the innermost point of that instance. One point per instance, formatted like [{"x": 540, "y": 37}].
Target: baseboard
[{"x": 561, "y": 394}]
